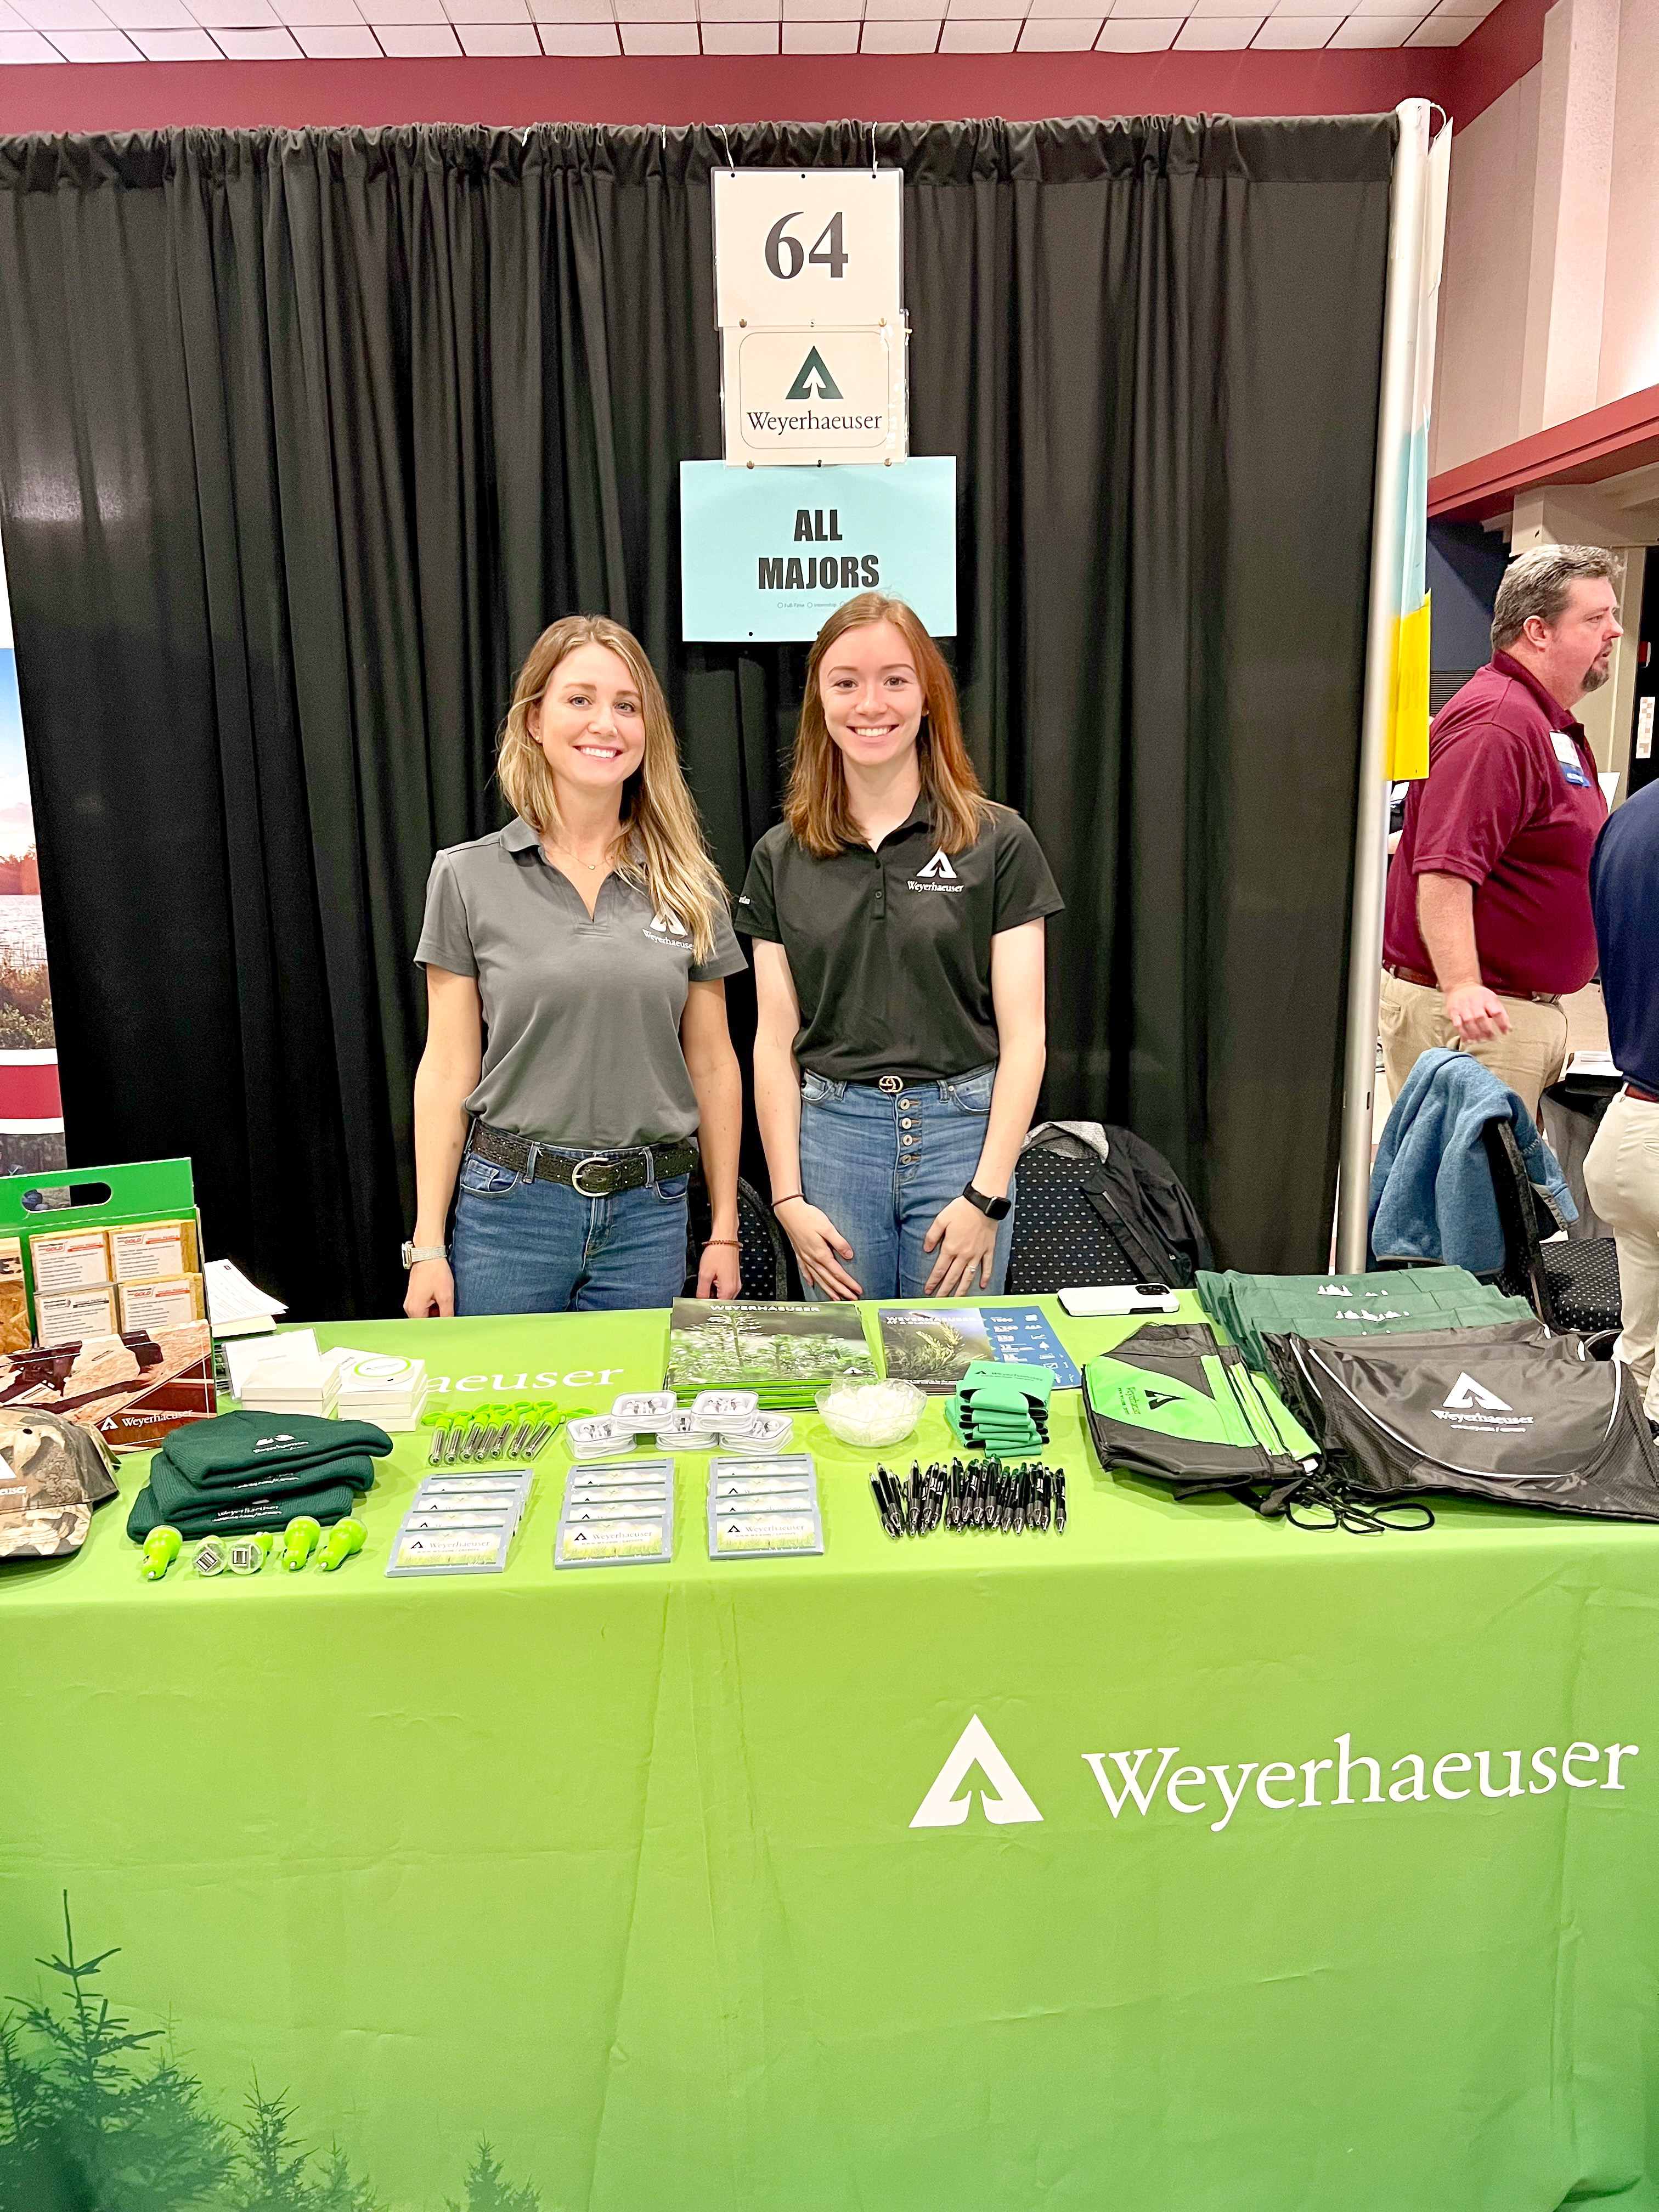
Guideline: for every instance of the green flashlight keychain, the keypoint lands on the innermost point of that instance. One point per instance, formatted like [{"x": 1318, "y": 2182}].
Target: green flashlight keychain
[
  {"x": 162, "y": 1547},
  {"x": 299, "y": 1541}
]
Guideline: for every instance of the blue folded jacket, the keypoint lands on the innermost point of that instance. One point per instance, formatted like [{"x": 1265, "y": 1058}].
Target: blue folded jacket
[{"x": 1432, "y": 1195}]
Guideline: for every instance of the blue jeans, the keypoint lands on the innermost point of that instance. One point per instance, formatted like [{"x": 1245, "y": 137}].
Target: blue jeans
[
  {"x": 542, "y": 1248},
  {"x": 882, "y": 1183}
]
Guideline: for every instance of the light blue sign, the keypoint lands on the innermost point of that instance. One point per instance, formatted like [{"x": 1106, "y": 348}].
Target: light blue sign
[{"x": 769, "y": 554}]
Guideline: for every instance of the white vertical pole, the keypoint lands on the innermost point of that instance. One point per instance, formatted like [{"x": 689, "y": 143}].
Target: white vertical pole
[{"x": 1396, "y": 403}]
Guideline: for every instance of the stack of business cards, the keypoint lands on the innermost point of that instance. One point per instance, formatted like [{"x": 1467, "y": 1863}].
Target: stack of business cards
[
  {"x": 763, "y": 1507},
  {"x": 462, "y": 1523},
  {"x": 622, "y": 1515}
]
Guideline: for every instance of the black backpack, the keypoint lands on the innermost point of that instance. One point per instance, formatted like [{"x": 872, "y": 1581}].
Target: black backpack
[{"x": 1082, "y": 1219}]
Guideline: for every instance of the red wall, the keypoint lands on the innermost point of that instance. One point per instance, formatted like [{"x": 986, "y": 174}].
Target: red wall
[{"x": 887, "y": 87}]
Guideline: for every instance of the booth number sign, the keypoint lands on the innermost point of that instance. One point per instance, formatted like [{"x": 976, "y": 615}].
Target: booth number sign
[{"x": 793, "y": 247}]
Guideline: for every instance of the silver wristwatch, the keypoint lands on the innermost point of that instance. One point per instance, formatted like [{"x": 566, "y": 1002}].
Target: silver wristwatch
[{"x": 414, "y": 1253}]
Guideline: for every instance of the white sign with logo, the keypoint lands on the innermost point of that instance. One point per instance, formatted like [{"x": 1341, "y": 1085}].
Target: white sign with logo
[
  {"x": 790, "y": 397},
  {"x": 802, "y": 246}
]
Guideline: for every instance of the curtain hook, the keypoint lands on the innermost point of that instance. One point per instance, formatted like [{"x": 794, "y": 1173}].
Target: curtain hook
[
  {"x": 872, "y": 150},
  {"x": 730, "y": 163}
]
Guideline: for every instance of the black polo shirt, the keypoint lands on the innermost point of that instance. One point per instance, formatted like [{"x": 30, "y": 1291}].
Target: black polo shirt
[{"x": 890, "y": 949}]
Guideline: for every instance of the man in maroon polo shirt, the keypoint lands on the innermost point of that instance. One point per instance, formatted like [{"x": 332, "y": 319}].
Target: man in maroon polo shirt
[{"x": 1488, "y": 921}]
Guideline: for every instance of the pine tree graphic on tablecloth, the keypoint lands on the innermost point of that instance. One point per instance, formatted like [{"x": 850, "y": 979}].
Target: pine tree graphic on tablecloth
[
  {"x": 97, "y": 2116},
  {"x": 488, "y": 2190},
  {"x": 100, "y": 2119}
]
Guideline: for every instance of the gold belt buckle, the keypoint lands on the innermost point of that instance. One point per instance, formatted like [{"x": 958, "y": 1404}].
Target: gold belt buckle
[{"x": 891, "y": 1083}]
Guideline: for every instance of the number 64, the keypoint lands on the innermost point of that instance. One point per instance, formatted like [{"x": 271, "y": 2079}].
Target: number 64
[{"x": 786, "y": 257}]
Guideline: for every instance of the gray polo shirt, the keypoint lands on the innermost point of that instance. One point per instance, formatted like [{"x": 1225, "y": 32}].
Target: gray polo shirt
[{"x": 582, "y": 1016}]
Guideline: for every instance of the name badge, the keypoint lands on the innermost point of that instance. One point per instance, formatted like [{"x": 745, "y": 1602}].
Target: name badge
[{"x": 1567, "y": 753}]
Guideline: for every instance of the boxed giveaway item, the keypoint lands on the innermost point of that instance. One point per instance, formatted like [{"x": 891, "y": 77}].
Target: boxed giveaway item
[{"x": 132, "y": 1376}]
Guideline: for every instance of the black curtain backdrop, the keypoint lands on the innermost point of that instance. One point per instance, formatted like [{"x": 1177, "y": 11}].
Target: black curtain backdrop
[{"x": 304, "y": 437}]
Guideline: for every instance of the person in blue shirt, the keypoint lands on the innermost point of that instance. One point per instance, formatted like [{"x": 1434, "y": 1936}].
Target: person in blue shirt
[{"x": 1621, "y": 1169}]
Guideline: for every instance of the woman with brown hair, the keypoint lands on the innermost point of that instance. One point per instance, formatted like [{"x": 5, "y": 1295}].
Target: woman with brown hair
[
  {"x": 576, "y": 1036},
  {"x": 897, "y": 917}
]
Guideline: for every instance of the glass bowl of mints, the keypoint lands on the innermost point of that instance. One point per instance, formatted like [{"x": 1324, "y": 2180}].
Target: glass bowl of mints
[{"x": 871, "y": 1414}]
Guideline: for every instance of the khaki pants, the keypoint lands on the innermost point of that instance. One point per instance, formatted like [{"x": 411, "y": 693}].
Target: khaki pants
[
  {"x": 1621, "y": 1174},
  {"x": 1529, "y": 1057}
]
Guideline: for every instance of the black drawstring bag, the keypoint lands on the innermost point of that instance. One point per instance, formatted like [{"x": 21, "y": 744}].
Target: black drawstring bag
[{"x": 1513, "y": 1414}]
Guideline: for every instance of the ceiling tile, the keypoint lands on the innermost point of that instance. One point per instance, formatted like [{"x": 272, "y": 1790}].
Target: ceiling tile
[
  {"x": 294, "y": 12},
  {"x": 822, "y": 11},
  {"x": 96, "y": 46},
  {"x": 739, "y": 38},
  {"x": 1415, "y": 8},
  {"x": 275, "y": 46},
  {"x": 888, "y": 11},
  {"x": 150, "y": 14},
  {"x": 1231, "y": 7},
  {"x": 1217, "y": 33},
  {"x": 491, "y": 39},
  {"x": 979, "y": 38},
  {"x": 338, "y": 42},
  {"x": 482, "y": 11},
  {"x": 61, "y": 14},
  {"x": 1090, "y": 9},
  {"x": 737, "y": 11},
  {"x": 661, "y": 38},
  {"x": 26, "y": 46},
  {"x": 595, "y": 38},
  {"x": 1444, "y": 31},
  {"x": 910, "y": 37},
  {"x": 1282, "y": 30},
  {"x": 176, "y": 46},
  {"x": 417, "y": 41},
  {"x": 1004, "y": 11},
  {"x": 573, "y": 11},
  {"x": 1069, "y": 34},
  {"x": 406, "y": 11},
  {"x": 821, "y": 38},
  {"x": 1376, "y": 31},
  {"x": 10, "y": 20},
  {"x": 233, "y": 14},
  {"x": 658, "y": 11},
  {"x": 1478, "y": 9},
  {"x": 1160, "y": 9},
  {"x": 1136, "y": 35}
]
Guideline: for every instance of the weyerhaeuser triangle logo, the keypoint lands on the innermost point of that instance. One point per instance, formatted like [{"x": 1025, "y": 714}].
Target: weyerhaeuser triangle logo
[
  {"x": 939, "y": 867},
  {"x": 942, "y": 1808},
  {"x": 1466, "y": 1393},
  {"x": 814, "y": 367}
]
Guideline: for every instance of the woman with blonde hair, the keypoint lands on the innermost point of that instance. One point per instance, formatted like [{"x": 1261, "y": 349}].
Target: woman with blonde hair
[
  {"x": 897, "y": 919},
  {"x": 576, "y": 1035}
]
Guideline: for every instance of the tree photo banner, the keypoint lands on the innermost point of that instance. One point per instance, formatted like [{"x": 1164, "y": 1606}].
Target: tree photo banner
[{"x": 304, "y": 437}]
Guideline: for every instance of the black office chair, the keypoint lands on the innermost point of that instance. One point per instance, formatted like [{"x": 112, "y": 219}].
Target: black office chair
[
  {"x": 1570, "y": 1284},
  {"x": 762, "y": 1250}
]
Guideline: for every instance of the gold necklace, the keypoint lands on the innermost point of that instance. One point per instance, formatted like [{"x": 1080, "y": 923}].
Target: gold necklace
[{"x": 591, "y": 866}]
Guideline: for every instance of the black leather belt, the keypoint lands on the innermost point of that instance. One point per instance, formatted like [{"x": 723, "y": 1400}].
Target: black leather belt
[{"x": 600, "y": 1175}]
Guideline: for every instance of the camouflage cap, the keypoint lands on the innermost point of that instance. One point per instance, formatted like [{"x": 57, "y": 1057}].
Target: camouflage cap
[{"x": 53, "y": 1473}]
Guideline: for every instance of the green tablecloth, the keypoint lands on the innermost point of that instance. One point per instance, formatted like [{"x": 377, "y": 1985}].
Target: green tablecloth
[{"x": 619, "y": 1869}]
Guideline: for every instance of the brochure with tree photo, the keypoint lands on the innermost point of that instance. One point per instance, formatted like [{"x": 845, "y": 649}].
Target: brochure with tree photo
[
  {"x": 787, "y": 1353},
  {"x": 935, "y": 1348}
]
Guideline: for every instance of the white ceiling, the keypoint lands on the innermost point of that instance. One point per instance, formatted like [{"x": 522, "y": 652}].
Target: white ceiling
[{"x": 331, "y": 30}]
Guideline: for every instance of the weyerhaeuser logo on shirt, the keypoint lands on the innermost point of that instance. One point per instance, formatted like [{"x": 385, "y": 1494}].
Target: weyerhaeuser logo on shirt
[
  {"x": 937, "y": 876},
  {"x": 666, "y": 929},
  {"x": 1131, "y": 1786}
]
